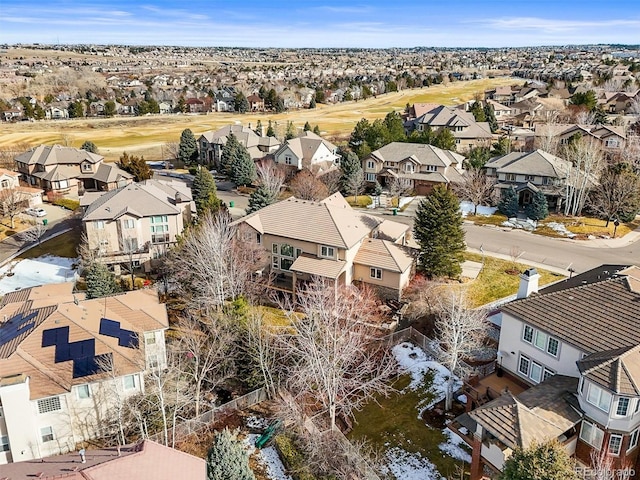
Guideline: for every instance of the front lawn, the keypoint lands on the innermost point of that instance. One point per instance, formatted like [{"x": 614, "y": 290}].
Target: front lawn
[
  {"x": 584, "y": 226},
  {"x": 360, "y": 201}
]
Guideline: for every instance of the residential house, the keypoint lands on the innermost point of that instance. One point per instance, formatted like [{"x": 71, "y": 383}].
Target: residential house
[
  {"x": 142, "y": 460},
  {"x": 578, "y": 346},
  {"x": 197, "y": 105},
  {"x": 135, "y": 224},
  {"x": 503, "y": 113},
  {"x": 9, "y": 183},
  {"x": 53, "y": 112},
  {"x": 65, "y": 362},
  {"x": 307, "y": 151},
  {"x": 211, "y": 143},
  {"x": 69, "y": 172},
  {"x": 256, "y": 104},
  {"x": 466, "y": 131},
  {"x": 165, "y": 107},
  {"x": 424, "y": 166},
  {"x": 225, "y": 100},
  {"x": 530, "y": 172},
  {"x": 504, "y": 95},
  {"x": 329, "y": 239},
  {"x": 612, "y": 139}
]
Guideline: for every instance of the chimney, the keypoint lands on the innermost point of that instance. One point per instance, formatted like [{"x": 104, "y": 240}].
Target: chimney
[
  {"x": 528, "y": 283},
  {"x": 178, "y": 198}
]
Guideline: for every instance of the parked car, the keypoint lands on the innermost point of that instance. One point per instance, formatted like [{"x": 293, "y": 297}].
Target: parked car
[{"x": 36, "y": 212}]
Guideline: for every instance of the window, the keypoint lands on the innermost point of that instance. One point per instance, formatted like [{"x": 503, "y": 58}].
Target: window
[
  {"x": 552, "y": 347},
  {"x": 540, "y": 340},
  {"x": 376, "y": 273},
  {"x": 258, "y": 238},
  {"x": 536, "y": 372},
  {"x": 129, "y": 223},
  {"x": 615, "y": 442},
  {"x": 527, "y": 335},
  {"x": 5, "y": 183},
  {"x": 510, "y": 177},
  {"x": 591, "y": 434},
  {"x": 150, "y": 338},
  {"x": 327, "y": 252},
  {"x": 612, "y": 143},
  {"x": 599, "y": 397},
  {"x": 284, "y": 256},
  {"x": 83, "y": 391},
  {"x": 86, "y": 167},
  {"x": 371, "y": 164},
  {"x": 153, "y": 361},
  {"x": 408, "y": 167},
  {"x": 129, "y": 382},
  {"x": 4, "y": 443},
  {"x": 432, "y": 168},
  {"x": 529, "y": 178},
  {"x": 547, "y": 373},
  {"x": 623, "y": 406},
  {"x": 633, "y": 441},
  {"x": 50, "y": 404},
  {"x": 99, "y": 225},
  {"x": 523, "y": 365},
  {"x": 546, "y": 181},
  {"x": 46, "y": 433},
  {"x": 371, "y": 177},
  {"x": 288, "y": 160},
  {"x": 159, "y": 229}
]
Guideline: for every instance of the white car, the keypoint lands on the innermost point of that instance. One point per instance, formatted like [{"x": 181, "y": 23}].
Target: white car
[{"x": 36, "y": 212}]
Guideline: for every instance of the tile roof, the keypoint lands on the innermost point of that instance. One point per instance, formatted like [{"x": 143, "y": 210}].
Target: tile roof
[
  {"x": 537, "y": 162},
  {"x": 442, "y": 116},
  {"x": 383, "y": 254},
  {"x": 57, "y": 154},
  {"x": 617, "y": 370},
  {"x": 539, "y": 414},
  {"x": 421, "y": 153},
  {"x": 596, "y": 317},
  {"x": 323, "y": 267},
  {"x": 306, "y": 145}
]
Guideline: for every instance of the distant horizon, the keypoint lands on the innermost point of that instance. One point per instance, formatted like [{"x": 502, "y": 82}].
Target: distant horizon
[{"x": 321, "y": 24}]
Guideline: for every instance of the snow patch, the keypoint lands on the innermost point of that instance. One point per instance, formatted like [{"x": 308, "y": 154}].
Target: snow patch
[
  {"x": 462, "y": 399},
  {"x": 466, "y": 208},
  {"x": 257, "y": 423},
  {"x": 36, "y": 271},
  {"x": 454, "y": 446},
  {"x": 560, "y": 228},
  {"x": 268, "y": 457},
  {"x": 410, "y": 466}
]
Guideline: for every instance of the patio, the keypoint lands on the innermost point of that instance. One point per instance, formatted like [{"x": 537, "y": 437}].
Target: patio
[{"x": 483, "y": 390}]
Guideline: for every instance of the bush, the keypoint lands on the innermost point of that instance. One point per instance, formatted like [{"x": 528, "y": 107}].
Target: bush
[
  {"x": 363, "y": 201},
  {"x": 193, "y": 170},
  {"x": 67, "y": 203},
  {"x": 292, "y": 458}
]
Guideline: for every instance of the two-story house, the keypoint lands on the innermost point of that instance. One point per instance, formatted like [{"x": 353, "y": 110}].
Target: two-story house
[
  {"x": 463, "y": 126},
  {"x": 424, "y": 166},
  {"x": 308, "y": 151},
  {"x": 612, "y": 139},
  {"x": 66, "y": 363},
  {"x": 137, "y": 223},
  {"x": 211, "y": 143},
  {"x": 329, "y": 239},
  {"x": 579, "y": 348},
  {"x": 12, "y": 192},
  {"x": 530, "y": 172},
  {"x": 69, "y": 172}
]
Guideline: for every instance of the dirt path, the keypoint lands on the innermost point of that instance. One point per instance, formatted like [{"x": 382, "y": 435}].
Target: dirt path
[{"x": 148, "y": 135}]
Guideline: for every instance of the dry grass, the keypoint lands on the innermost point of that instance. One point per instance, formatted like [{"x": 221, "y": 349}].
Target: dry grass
[
  {"x": 593, "y": 226},
  {"x": 147, "y": 135},
  {"x": 496, "y": 219}
]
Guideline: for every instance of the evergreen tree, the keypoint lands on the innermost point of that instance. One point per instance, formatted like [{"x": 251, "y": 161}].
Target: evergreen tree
[
  {"x": 181, "y": 107},
  {"x": 478, "y": 112},
  {"x": 445, "y": 140},
  {"x": 260, "y": 198},
  {"x": 548, "y": 461},
  {"x": 358, "y": 138},
  {"x": 188, "y": 149},
  {"x": 316, "y": 130},
  {"x": 240, "y": 103},
  {"x": 228, "y": 459},
  {"x": 438, "y": 231},
  {"x": 229, "y": 152},
  {"x": 243, "y": 168},
  {"x": 351, "y": 168},
  {"x": 395, "y": 128},
  {"x": 258, "y": 129},
  {"x": 89, "y": 147},
  {"x": 100, "y": 281},
  {"x": 490, "y": 115},
  {"x": 478, "y": 156},
  {"x": 270, "y": 131},
  {"x": 312, "y": 103},
  {"x": 307, "y": 127},
  {"x": 203, "y": 191},
  {"x": 291, "y": 131},
  {"x": 502, "y": 147},
  {"x": 508, "y": 204},
  {"x": 110, "y": 108},
  {"x": 136, "y": 166},
  {"x": 538, "y": 208},
  {"x": 76, "y": 109}
]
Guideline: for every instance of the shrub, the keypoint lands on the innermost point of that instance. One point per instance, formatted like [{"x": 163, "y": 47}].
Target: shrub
[
  {"x": 67, "y": 203},
  {"x": 292, "y": 458}
]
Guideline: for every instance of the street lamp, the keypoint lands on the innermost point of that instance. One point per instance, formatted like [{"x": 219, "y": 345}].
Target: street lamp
[{"x": 616, "y": 223}]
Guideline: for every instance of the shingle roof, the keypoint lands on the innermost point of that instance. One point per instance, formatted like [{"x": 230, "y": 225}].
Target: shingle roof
[
  {"x": 537, "y": 162},
  {"x": 383, "y": 254},
  {"x": 421, "y": 153},
  {"x": 539, "y": 414},
  {"x": 617, "y": 370},
  {"x": 594, "y": 318},
  {"x": 323, "y": 267},
  {"x": 306, "y": 145},
  {"x": 57, "y": 154},
  {"x": 442, "y": 116}
]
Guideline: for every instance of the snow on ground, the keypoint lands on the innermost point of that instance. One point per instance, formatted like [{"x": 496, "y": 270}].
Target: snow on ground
[
  {"x": 453, "y": 446},
  {"x": 561, "y": 229},
  {"x": 410, "y": 466},
  {"x": 36, "y": 271},
  {"x": 267, "y": 456},
  {"x": 414, "y": 360},
  {"x": 467, "y": 209}
]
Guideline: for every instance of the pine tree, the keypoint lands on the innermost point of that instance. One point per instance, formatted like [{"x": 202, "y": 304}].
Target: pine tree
[
  {"x": 438, "y": 231},
  {"x": 548, "y": 461},
  {"x": 508, "y": 204},
  {"x": 307, "y": 127},
  {"x": 188, "y": 149},
  {"x": 291, "y": 131},
  {"x": 260, "y": 198},
  {"x": 351, "y": 168},
  {"x": 243, "y": 168},
  {"x": 203, "y": 191},
  {"x": 538, "y": 208},
  {"x": 316, "y": 130},
  {"x": 478, "y": 112},
  {"x": 445, "y": 140},
  {"x": 136, "y": 166},
  {"x": 89, "y": 146},
  {"x": 228, "y": 459},
  {"x": 270, "y": 131},
  {"x": 490, "y": 114},
  {"x": 312, "y": 103},
  {"x": 240, "y": 103},
  {"x": 258, "y": 129},
  {"x": 229, "y": 152},
  {"x": 100, "y": 281}
]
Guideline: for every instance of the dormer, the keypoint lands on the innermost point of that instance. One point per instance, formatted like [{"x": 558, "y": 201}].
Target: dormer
[{"x": 86, "y": 167}]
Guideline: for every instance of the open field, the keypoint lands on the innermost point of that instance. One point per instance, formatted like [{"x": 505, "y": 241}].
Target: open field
[{"x": 148, "y": 135}]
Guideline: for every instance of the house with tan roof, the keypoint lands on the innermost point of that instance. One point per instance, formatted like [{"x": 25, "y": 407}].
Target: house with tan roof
[
  {"x": 12, "y": 192},
  {"x": 330, "y": 239},
  {"x": 133, "y": 225},
  {"x": 211, "y": 143},
  {"x": 66, "y": 361},
  {"x": 424, "y": 166},
  {"x": 69, "y": 172},
  {"x": 308, "y": 151},
  {"x": 612, "y": 139},
  {"x": 577, "y": 345},
  {"x": 466, "y": 131}
]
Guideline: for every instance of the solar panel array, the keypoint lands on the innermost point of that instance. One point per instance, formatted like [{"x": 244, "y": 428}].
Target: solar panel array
[
  {"x": 82, "y": 352},
  {"x": 111, "y": 328},
  {"x": 16, "y": 326}
]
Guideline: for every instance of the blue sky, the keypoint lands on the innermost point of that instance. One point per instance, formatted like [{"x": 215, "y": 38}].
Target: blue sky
[{"x": 330, "y": 23}]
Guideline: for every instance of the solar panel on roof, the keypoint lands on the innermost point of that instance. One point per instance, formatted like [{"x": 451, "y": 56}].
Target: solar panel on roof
[
  {"x": 84, "y": 367},
  {"x": 128, "y": 339},
  {"x": 16, "y": 326},
  {"x": 55, "y": 336},
  {"x": 110, "y": 328}
]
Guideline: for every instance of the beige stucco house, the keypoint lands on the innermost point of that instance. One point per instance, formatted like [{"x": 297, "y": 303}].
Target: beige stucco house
[
  {"x": 211, "y": 143},
  {"x": 65, "y": 362},
  {"x": 11, "y": 191},
  {"x": 330, "y": 239},
  {"x": 69, "y": 172},
  {"x": 308, "y": 151},
  {"x": 136, "y": 224}
]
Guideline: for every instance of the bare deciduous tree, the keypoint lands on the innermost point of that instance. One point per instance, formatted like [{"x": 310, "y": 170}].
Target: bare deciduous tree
[
  {"x": 271, "y": 176},
  {"x": 259, "y": 345},
  {"x": 460, "y": 331},
  {"x": 585, "y": 156},
  {"x": 476, "y": 188},
  {"x": 12, "y": 202},
  {"x": 601, "y": 465},
  {"x": 617, "y": 193},
  {"x": 354, "y": 183},
  {"x": 306, "y": 186},
  {"x": 330, "y": 358},
  {"x": 547, "y": 140},
  {"x": 398, "y": 187},
  {"x": 585, "y": 117},
  {"x": 331, "y": 179},
  {"x": 423, "y": 295}
]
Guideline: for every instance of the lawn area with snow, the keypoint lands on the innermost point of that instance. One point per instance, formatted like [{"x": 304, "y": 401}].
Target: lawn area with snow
[
  {"x": 31, "y": 272},
  {"x": 467, "y": 209},
  {"x": 267, "y": 457},
  {"x": 412, "y": 449}
]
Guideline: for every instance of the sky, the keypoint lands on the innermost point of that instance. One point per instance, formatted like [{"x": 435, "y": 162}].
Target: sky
[{"x": 329, "y": 23}]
